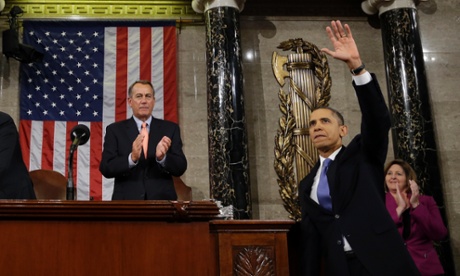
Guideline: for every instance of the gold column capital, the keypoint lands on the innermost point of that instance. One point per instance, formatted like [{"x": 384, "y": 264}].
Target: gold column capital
[
  {"x": 373, "y": 6},
  {"x": 200, "y": 6}
]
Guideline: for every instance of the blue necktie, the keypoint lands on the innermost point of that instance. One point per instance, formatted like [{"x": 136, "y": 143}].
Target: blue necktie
[{"x": 324, "y": 198}]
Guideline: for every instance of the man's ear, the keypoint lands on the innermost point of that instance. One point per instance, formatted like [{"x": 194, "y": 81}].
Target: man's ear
[{"x": 343, "y": 131}]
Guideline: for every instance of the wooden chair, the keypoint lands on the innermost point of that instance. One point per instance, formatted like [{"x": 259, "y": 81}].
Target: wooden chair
[
  {"x": 49, "y": 184},
  {"x": 184, "y": 192}
]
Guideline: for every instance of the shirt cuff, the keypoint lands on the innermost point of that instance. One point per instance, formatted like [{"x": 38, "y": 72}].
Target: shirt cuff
[
  {"x": 162, "y": 162},
  {"x": 131, "y": 162},
  {"x": 362, "y": 79}
]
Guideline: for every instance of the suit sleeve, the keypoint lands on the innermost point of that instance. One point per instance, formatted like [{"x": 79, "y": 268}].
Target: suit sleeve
[
  {"x": 375, "y": 121},
  {"x": 310, "y": 254},
  {"x": 113, "y": 162},
  {"x": 176, "y": 163},
  {"x": 8, "y": 138},
  {"x": 429, "y": 219}
]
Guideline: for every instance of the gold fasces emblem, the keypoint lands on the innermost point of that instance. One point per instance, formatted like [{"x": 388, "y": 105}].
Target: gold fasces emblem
[{"x": 307, "y": 72}]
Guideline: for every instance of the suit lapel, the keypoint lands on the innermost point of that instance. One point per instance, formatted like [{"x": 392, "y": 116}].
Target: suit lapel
[
  {"x": 132, "y": 130},
  {"x": 333, "y": 178},
  {"x": 342, "y": 178},
  {"x": 308, "y": 185}
]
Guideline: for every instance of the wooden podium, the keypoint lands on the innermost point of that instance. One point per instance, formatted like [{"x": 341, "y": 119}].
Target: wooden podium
[
  {"x": 54, "y": 237},
  {"x": 251, "y": 247}
]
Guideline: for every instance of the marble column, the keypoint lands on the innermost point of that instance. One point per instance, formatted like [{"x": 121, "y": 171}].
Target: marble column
[
  {"x": 227, "y": 135},
  {"x": 409, "y": 99}
]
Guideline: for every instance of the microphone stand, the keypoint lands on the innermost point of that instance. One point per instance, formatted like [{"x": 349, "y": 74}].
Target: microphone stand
[
  {"x": 79, "y": 136},
  {"x": 70, "y": 195}
]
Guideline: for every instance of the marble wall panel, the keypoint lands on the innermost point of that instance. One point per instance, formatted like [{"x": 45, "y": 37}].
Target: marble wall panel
[{"x": 440, "y": 40}]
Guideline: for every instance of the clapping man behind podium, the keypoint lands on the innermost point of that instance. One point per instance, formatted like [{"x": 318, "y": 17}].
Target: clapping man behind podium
[
  {"x": 344, "y": 219},
  {"x": 143, "y": 174}
]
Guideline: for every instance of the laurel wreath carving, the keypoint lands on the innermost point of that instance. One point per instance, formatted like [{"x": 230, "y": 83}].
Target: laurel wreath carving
[
  {"x": 284, "y": 144},
  {"x": 254, "y": 261},
  {"x": 284, "y": 158}
]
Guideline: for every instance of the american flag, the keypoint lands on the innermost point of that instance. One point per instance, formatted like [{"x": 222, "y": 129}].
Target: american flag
[{"x": 83, "y": 79}]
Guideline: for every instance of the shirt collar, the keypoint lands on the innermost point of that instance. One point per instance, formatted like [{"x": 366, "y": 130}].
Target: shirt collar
[
  {"x": 139, "y": 122},
  {"x": 332, "y": 156}
]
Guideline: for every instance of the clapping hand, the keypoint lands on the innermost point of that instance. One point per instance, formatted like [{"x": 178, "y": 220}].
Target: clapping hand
[
  {"x": 137, "y": 148},
  {"x": 163, "y": 147},
  {"x": 414, "y": 200},
  {"x": 401, "y": 200}
]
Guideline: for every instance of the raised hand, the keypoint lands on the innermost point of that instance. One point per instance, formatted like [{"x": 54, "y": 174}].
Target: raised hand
[{"x": 345, "y": 48}]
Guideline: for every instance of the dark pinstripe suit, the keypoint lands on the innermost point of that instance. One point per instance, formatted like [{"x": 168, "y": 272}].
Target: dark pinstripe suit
[{"x": 148, "y": 179}]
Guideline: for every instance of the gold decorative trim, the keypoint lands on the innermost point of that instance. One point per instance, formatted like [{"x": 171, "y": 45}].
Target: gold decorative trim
[{"x": 115, "y": 9}]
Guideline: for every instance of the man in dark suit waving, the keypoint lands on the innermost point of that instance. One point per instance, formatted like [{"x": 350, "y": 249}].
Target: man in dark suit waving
[
  {"x": 143, "y": 163},
  {"x": 344, "y": 220}
]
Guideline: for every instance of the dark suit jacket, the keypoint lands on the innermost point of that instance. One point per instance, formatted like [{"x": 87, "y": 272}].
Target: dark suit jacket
[
  {"x": 15, "y": 182},
  {"x": 356, "y": 183},
  {"x": 148, "y": 179}
]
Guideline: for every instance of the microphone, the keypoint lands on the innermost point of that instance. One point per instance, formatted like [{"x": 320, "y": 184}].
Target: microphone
[{"x": 79, "y": 136}]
